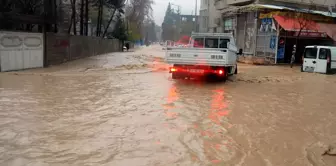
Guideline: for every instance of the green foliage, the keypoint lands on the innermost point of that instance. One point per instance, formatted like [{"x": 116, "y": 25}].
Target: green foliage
[
  {"x": 133, "y": 33},
  {"x": 120, "y": 31},
  {"x": 170, "y": 24},
  {"x": 168, "y": 19}
]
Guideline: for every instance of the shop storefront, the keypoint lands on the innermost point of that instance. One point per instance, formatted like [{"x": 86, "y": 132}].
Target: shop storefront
[
  {"x": 299, "y": 32},
  {"x": 268, "y": 33}
]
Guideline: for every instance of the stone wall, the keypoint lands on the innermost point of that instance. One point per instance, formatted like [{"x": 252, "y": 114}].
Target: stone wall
[{"x": 63, "y": 48}]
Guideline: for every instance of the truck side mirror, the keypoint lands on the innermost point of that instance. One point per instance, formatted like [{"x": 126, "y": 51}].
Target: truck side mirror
[{"x": 240, "y": 52}]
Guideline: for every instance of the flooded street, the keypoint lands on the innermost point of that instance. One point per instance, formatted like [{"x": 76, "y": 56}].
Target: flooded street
[{"x": 123, "y": 109}]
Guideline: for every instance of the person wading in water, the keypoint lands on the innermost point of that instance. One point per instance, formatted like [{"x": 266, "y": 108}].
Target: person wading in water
[
  {"x": 293, "y": 56},
  {"x": 127, "y": 46}
]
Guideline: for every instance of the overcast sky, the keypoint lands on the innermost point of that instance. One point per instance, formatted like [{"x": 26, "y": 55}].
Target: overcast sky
[{"x": 160, "y": 7}]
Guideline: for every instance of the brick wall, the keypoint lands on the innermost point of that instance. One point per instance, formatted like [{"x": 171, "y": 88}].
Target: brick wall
[{"x": 63, "y": 48}]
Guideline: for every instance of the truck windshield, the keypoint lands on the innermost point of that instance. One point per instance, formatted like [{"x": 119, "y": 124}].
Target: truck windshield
[
  {"x": 310, "y": 53},
  {"x": 211, "y": 42}
]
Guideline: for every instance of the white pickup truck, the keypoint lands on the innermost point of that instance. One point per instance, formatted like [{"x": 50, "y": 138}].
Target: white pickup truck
[{"x": 208, "y": 54}]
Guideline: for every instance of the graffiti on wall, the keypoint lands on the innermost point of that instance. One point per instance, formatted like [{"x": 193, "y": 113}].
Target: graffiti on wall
[{"x": 249, "y": 37}]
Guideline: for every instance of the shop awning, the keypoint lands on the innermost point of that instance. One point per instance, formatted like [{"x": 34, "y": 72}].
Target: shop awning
[
  {"x": 291, "y": 24},
  {"x": 330, "y": 29}
]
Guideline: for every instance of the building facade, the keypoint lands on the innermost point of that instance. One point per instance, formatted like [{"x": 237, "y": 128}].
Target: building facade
[
  {"x": 210, "y": 17},
  {"x": 259, "y": 26}
]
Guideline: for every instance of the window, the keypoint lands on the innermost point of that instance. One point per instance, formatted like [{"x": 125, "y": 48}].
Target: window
[
  {"x": 211, "y": 42},
  {"x": 228, "y": 24},
  {"x": 324, "y": 53},
  {"x": 198, "y": 42},
  {"x": 310, "y": 53},
  {"x": 223, "y": 43}
]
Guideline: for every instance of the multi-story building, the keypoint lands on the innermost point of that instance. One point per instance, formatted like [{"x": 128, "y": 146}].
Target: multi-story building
[
  {"x": 267, "y": 30},
  {"x": 210, "y": 18}
]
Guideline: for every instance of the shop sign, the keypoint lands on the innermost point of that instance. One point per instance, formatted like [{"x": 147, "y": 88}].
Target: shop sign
[
  {"x": 267, "y": 25},
  {"x": 310, "y": 34},
  {"x": 281, "y": 48}
]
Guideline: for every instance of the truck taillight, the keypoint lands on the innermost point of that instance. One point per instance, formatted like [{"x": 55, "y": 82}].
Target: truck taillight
[{"x": 172, "y": 70}]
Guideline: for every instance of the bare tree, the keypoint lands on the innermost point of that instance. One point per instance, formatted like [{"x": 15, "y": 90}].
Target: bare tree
[
  {"x": 81, "y": 26},
  {"x": 115, "y": 5},
  {"x": 86, "y": 17},
  {"x": 73, "y": 22},
  {"x": 137, "y": 11}
]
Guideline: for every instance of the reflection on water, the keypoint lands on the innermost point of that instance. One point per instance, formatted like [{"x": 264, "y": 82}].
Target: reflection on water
[{"x": 218, "y": 106}]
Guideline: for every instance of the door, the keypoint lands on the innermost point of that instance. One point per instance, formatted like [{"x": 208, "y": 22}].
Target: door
[
  {"x": 20, "y": 50},
  {"x": 321, "y": 63},
  {"x": 310, "y": 59}
]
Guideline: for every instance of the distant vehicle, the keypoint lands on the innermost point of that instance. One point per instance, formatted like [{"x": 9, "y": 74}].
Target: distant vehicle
[
  {"x": 319, "y": 59},
  {"x": 206, "y": 54}
]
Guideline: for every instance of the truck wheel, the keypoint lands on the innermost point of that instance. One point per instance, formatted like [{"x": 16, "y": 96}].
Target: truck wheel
[
  {"x": 224, "y": 78},
  {"x": 236, "y": 71},
  {"x": 175, "y": 76}
]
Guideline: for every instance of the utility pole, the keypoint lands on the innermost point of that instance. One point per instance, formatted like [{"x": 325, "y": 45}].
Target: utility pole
[{"x": 195, "y": 28}]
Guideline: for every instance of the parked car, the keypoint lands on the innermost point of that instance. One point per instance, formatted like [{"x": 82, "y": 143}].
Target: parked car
[{"x": 319, "y": 59}]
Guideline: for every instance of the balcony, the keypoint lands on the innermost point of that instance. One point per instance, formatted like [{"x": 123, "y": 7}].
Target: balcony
[
  {"x": 220, "y": 4},
  {"x": 239, "y": 2}
]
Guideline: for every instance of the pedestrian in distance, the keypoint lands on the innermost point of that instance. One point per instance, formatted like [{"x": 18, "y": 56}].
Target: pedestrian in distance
[
  {"x": 293, "y": 56},
  {"x": 127, "y": 46}
]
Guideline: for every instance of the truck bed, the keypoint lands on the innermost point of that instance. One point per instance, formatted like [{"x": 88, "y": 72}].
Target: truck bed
[{"x": 201, "y": 56}]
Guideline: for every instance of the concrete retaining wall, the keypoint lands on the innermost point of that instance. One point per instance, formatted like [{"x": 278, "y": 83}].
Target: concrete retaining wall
[
  {"x": 255, "y": 60},
  {"x": 63, "y": 48}
]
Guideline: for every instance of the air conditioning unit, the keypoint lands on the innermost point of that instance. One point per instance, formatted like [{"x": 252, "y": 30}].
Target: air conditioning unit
[{"x": 217, "y": 21}]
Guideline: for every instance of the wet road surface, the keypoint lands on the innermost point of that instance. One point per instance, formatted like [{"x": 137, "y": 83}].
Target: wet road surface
[{"x": 124, "y": 109}]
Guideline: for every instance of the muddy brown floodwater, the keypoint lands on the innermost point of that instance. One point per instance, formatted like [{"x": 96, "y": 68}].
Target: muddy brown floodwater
[{"x": 123, "y": 109}]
